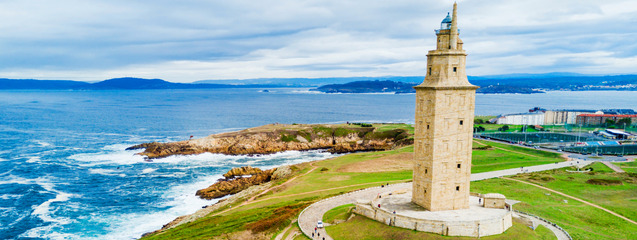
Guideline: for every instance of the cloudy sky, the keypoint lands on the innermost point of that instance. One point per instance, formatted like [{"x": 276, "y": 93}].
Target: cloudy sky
[{"x": 185, "y": 41}]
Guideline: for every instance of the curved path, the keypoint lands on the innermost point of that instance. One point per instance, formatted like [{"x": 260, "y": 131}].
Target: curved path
[
  {"x": 561, "y": 235},
  {"x": 313, "y": 213},
  {"x": 574, "y": 198}
]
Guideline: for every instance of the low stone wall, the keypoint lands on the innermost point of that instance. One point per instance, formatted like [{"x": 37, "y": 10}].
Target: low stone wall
[{"x": 478, "y": 228}]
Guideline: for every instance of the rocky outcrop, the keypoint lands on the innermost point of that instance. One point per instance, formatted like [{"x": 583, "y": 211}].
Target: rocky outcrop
[
  {"x": 236, "y": 180},
  {"x": 277, "y": 138}
]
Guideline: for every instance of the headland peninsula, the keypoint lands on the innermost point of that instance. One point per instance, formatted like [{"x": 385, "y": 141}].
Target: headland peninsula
[{"x": 269, "y": 210}]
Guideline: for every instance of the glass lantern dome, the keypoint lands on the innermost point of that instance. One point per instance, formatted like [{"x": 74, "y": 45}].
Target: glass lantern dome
[{"x": 446, "y": 23}]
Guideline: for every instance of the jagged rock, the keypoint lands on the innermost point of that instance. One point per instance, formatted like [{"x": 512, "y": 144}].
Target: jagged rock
[
  {"x": 234, "y": 185},
  {"x": 242, "y": 171}
]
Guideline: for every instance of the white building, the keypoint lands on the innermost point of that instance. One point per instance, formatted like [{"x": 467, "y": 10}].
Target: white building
[
  {"x": 532, "y": 118},
  {"x": 565, "y": 116}
]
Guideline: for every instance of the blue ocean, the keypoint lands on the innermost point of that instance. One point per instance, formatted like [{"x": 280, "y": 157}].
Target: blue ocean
[{"x": 65, "y": 173}]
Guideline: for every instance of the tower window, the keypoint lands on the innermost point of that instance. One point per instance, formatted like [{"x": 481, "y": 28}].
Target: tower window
[
  {"x": 427, "y": 126},
  {"x": 425, "y": 171},
  {"x": 458, "y": 165},
  {"x": 457, "y": 188},
  {"x": 455, "y": 69},
  {"x": 429, "y": 71},
  {"x": 461, "y": 122}
]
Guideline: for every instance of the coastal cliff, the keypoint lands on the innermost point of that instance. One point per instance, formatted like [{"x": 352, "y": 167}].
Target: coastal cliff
[{"x": 272, "y": 138}]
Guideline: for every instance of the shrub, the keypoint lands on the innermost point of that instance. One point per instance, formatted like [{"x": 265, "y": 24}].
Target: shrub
[
  {"x": 288, "y": 138},
  {"x": 280, "y": 217},
  {"x": 363, "y": 124},
  {"x": 604, "y": 182},
  {"x": 341, "y": 132},
  {"x": 324, "y": 169}
]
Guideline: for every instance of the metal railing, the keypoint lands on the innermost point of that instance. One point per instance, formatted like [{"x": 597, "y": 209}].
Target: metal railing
[{"x": 546, "y": 221}]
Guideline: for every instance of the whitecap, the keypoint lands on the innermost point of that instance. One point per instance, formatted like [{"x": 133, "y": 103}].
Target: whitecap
[
  {"x": 180, "y": 200},
  {"x": 110, "y": 155},
  {"x": 103, "y": 171},
  {"x": 33, "y": 160},
  {"x": 10, "y": 196},
  {"x": 148, "y": 170},
  {"x": 43, "y": 211},
  {"x": 42, "y": 143},
  {"x": 47, "y": 232}
]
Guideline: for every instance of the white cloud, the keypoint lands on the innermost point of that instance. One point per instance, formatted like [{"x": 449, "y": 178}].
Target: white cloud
[{"x": 193, "y": 40}]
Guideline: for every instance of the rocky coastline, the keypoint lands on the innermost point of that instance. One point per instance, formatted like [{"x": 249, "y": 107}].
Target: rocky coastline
[
  {"x": 239, "y": 183},
  {"x": 273, "y": 138},
  {"x": 238, "y": 179}
]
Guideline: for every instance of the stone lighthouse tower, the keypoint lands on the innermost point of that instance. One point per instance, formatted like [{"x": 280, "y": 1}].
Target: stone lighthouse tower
[{"x": 444, "y": 125}]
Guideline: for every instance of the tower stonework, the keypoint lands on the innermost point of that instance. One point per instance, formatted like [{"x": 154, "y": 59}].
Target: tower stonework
[{"x": 445, "y": 103}]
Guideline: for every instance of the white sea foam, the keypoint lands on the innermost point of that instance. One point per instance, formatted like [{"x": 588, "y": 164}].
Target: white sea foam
[
  {"x": 180, "y": 200},
  {"x": 111, "y": 154},
  {"x": 33, "y": 160},
  {"x": 102, "y": 171},
  {"x": 149, "y": 170},
  {"x": 10, "y": 196},
  {"x": 42, "y": 143},
  {"x": 47, "y": 232},
  {"x": 43, "y": 211}
]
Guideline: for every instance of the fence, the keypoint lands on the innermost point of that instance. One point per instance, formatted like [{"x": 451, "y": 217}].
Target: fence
[
  {"x": 630, "y": 149},
  {"x": 540, "y": 137}
]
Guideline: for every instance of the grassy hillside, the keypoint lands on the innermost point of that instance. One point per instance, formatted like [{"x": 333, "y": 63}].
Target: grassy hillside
[
  {"x": 270, "y": 213},
  {"x": 580, "y": 220}
]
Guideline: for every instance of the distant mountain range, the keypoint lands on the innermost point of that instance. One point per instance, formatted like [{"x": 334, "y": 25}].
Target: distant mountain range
[
  {"x": 513, "y": 83},
  {"x": 116, "y": 83}
]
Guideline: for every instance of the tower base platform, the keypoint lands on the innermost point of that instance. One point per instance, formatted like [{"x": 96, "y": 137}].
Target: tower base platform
[{"x": 396, "y": 209}]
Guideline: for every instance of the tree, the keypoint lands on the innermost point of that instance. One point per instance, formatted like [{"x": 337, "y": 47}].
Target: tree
[
  {"x": 623, "y": 121},
  {"x": 609, "y": 122},
  {"x": 505, "y": 128}
]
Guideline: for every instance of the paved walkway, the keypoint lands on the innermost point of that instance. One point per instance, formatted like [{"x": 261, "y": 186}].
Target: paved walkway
[
  {"x": 313, "y": 213},
  {"x": 558, "y": 233},
  {"x": 614, "y": 167}
]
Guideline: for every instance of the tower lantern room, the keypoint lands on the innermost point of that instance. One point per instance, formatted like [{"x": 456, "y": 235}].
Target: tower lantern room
[{"x": 446, "y": 23}]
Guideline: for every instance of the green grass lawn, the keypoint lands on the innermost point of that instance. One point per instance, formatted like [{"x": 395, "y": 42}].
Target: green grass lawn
[
  {"x": 361, "y": 228},
  {"x": 630, "y": 167},
  {"x": 504, "y": 156},
  {"x": 338, "y": 213},
  {"x": 391, "y": 126},
  {"x": 484, "y": 118},
  {"x": 621, "y": 199},
  {"x": 580, "y": 220}
]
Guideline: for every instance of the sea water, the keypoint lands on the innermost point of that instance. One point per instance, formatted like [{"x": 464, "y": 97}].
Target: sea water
[{"x": 65, "y": 173}]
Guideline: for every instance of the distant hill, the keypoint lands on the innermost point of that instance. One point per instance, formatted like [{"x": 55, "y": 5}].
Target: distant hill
[
  {"x": 512, "y": 83},
  {"x": 313, "y": 82},
  {"x": 401, "y": 87},
  {"x": 368, "y": 87},
  {"x": 570, "y": 83},
  {"x": 115, "y": 83},
  {"x": 41, "y": 84}
]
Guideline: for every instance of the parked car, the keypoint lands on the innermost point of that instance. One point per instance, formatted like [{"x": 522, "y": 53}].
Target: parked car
[{"x": 319, "y": 224}]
